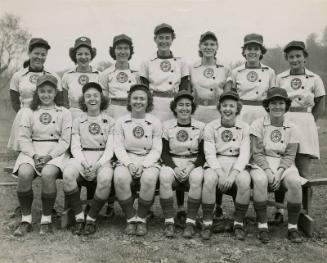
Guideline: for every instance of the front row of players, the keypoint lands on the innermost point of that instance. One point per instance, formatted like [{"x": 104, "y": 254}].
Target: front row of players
[{"x": 203, "y": 158}]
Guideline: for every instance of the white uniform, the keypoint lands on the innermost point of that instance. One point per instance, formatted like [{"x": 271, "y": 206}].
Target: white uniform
[
  {"x": 252, "y": 86},
  {"x": 44, "y": 132},
  {"x": 303, "y": 89},
  {"x": 116, "y": 83},
  {"x": 164, "y": 76},
  {"x": 208, "y": 84},
  {"x": 24, "y": 82},
  {"x": 72, "y": 82}
]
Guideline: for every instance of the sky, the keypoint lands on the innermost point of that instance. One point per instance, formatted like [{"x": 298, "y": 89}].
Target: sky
[{"x": 62, "y": 21}]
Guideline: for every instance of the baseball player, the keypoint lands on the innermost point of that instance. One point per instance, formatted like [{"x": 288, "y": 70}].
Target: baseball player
[
  {"x": 227, "y": 151},
  {"x": 138, "y": 147},
  {"x": 44, "y": 138},
  {"x": 117, "y": 79},
  {"x": 274, "y": 143},
  {"x": 23, "y": 84},
  {"x": 92, "y": 150}
]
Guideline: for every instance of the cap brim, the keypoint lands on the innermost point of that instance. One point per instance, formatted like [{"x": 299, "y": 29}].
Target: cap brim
[
  {"x": 189, "y": 96},
  {"x": 253, "y": 42},
  {"x": 47, "y": 81}
]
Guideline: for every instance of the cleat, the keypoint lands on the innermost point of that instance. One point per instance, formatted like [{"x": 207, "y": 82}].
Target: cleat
[{"x": 22, "y": 229}]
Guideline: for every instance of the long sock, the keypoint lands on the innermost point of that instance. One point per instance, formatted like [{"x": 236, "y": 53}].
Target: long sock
[
  {"x": 240, "y": 211},
  {"x": 293, "y": 210},
  {"x": 128, "y": 207},
  {"x": 261, "y": 210},
  {"x": 48, "y": 201},
  {"x": 25, "y": 201},
  {"x": 167, "y": 205},
  {"x": 74, "y": 201},
  {"x": 143, "y": 207},
  {"x": 96, "y": 205},
  {"x": 192, "y": 207},
  {"x": 207, "y": 210}
]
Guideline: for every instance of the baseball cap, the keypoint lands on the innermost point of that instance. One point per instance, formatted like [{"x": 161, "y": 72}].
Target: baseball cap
[
  {"x": 35, "y": 42},
  {"x": 253, "y": 38},
  {"x": 276, "y": 92},
  {"x": 162, "y": 26},
  {"x": 295, "y": 45},
  {"x": 122, "y": 37},
  {"x": 138, "y": 87},
  {"x": 207, "y": 35},
  {"x": 93, "y": 85},
  {"x": 183, "y": 94},
  {"x": 231, "y": 94},
  {"x": 47, "y": 78},
  {"x": 83, "y": 41}
]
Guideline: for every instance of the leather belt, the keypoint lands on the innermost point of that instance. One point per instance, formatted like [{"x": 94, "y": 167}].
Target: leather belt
[
  {"x": 300, "y": 109},
  {"x": 163, "y": 94},
  {"x": 251, "y": 102},
  {"x": 186, "y": 156},
  {"x": 93, "y": 149},
  {"x": 50, "y": 140},
  {"x": 118, "y": 101}
]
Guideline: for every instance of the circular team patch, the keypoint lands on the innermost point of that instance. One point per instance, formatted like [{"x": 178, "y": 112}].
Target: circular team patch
[
  {"x": 296, "y": 83},
  {"x": 252, "y": 76},
  {"x": 165, "y": 66},
  {"x": 45, "y": 118},
  {"x": 138, "y": 132},
  {"x": 83, "y": 79},
  {"x": 182, "y": 136},
  {"x": 122, "y": 77},
  {"x": 94, "y": 128},
  {"x": 208, "y": 73},
  {"x": 275, "y": 136},
  {"x": 226, "y": 135},
  {"x": 33, "y": 78}
]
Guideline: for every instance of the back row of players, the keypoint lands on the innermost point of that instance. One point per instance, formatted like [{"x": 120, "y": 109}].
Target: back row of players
[{"x": 137, "y": 132}]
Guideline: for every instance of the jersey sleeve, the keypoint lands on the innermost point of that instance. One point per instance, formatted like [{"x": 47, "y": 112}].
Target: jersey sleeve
[
  {"x": 109, "y": 150},
  {"x": 64, "y": 82},
  {"x": 25, "y": 133},
  {"x": 119, "y": 147},
  {"x": 154, "y": 155},
  {"x": 76, "y": 146},
  {"x": 144, "y": 70},
  {"x": 244, "y": 155},
  {"x": 272, "y": 78},
  {"x": 14, "y": 83},
  {"x": 103, "y": 81},
  {"x": 319, "y": 88},
  {"x": 184, "y": 69},
  {"x": 210, "y": 147}
]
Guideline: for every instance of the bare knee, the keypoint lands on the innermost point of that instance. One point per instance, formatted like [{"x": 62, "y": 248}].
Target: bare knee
[
  {"x": 166, "y": 177},
  {"x": 243, "y": 181},
  {"x": 122, "y": 179},
  {"x": 26, "y": 175},
  {"x": 70, "y": 174},
  {"x": 210, "y": 180}
]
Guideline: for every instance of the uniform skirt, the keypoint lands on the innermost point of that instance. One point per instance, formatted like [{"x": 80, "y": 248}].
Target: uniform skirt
[
  {"x": 226, "y": 163},
  {"x": 206, "y": 114},
  {"x": 41, "y": 148},
  {"x": 136, "y": 160},
  {"x": 250, "y": 113},
  {"x": 162, "y": 108},
  {"x": 14, "y": 134}
]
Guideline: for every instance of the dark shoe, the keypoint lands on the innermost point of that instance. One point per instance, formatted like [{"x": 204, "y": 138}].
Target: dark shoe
[
  {"x": 294, "y": 235},
  {"x": 206, "y": 232},
  {"x": 218, "y": 213},
  {"x": 22, "y": 229},
  {"x": 263, "y": 235},
  {"x": 90, "y": 228},
  {"x": 78, "y": 228},
  {"x": 46, "y": 229},
  {"x": 141, "y": 229},
  {"x": 278, "y": 219},
  {"x": 130, "y": 228},
  {"x": 189, "y": 231},
  {"x": 169, "y": 230},
  {"x": 180, "y": 219},
  {"x": 239, "y": 232},
  {"x": 110, "y": 212}
]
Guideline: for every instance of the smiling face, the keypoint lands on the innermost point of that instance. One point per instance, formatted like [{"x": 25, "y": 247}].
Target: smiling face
[
  {"x": 139, "y": 101},
  {"x": 208, "y": 48},
  {"x": 183, "y": 109},
  {"x": 228, "y": 109},
  {"x": 296, "y": 59},
  {"x": 83, "y": 56},
  {"x": 252, "y": 53},
  {"x": 163, "y": 41},
  {"x": 92, "y": 98},
  {"x": 122, "y": 52},
  {"x": 277, "y": 107},
  {"x": 37, "y": 57},
  {"x": 47, "y": 93}
]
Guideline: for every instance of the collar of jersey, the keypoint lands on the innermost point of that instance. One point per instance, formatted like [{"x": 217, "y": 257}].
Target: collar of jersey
[
  {"x": 306, "y": 73},
  {"x": 286, "y": 122}
]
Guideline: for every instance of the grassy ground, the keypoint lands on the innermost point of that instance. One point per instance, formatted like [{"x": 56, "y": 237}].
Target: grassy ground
[{"x": 109, "y": 244}]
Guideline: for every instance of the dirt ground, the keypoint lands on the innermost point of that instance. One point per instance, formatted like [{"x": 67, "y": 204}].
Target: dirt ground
[{"x": 109, "y": 244}]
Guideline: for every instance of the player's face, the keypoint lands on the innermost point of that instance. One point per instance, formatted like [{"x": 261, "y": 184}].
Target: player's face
[
  {"x": 209, "y": 48},
  {"x": 92, "y": 98},
  {"x": 83, "y": 56},
  {"x": 277, "y": 107},
  {"x": 37, "y": 57},
  {"x": 296, "y": 59},
  {"x": 47, "y": 94},
  {"x": 252, "y": 53},
  {"x": 139, "y": 101},
  {"x": 183, "y": 108},
  {"x": 122, "y": 52},
  {"x": 228, "y": 109},
  {"x": 163, "y": 41}
]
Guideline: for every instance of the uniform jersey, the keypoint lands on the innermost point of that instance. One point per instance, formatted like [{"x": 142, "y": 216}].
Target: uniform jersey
[
  {"x": 302, "y": 89},
  {"x": 253, "y": 83},
  {"x": 116, "y": 82},
  {"x": 164, "y": 75},
  {"x": 73, "y": 81},
  {"x": 24, "y": 82},
  {"x": 140, "y": 137}
]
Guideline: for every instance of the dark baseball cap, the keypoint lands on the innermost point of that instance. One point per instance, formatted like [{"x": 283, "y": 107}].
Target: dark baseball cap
[
  {"x": 83, "y": 41},
  {"x": 138, "y": 86},
  {"x": 38, "y": 42},
  {"x": 295, "y": 45},
  {"x": 122, "y": 37},
  {"x": 253, "y": 38},
  {"x": 93, "y": 85},
  {"x": 47, "y": 78},
  {"x": 208, "y": 35},
  {"x": 163, "y": 26},
  {"x": 183, "y": 94},
  {"x": 276, "y": 92},
  {"x": 230, "y": 94}
]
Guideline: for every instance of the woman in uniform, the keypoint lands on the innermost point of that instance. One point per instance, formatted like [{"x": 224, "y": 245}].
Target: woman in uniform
[
  {"x": 138, "y": 147},
  {"x": 44, "y": 138},
  {"x": 92, "y": 150},
  {"x": 182, "y": 157},
  {"x": 23, "y": 84},
  {"x": 227, "y": 151},
  {"x": 117, "y": 79}
]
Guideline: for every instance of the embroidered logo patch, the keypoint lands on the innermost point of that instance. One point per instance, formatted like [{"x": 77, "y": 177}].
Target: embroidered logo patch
[
  {"x": 296, "y": 83},
  {"x": 83, "y": 79},
  {"x": 275, "y": 136},
  {"x": 122, "y": 77},
  {"x": 33, "y": 78},
  {"x": 165, "y": 66},
  {"x": 182, "y": 136},
  {"x": 252, "y": 76},
  {"x": 226, "y": 135},
  {"x": 138, "y": 132},
  {"x": 45, "y": 118},
  {"x": 208, "y": 73},
  {"x": 94, "y": 128}
]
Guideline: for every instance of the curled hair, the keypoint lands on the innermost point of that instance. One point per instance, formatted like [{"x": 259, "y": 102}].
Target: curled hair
[
  {"x": 288, "y": 103},
  {"x": 112, "y": 49},
  {"x": 149, "y": 107},
  {"x": 165, "y": 30},
  {"x": 73, "y": 51},
  {"x": 305, "y": 53},
  {"x": 36, "y": 102},
  {"x": 262, "y": 48},
  {"x": 239, "y": 105},
  {"x": 173, "y": 105},
  {"x": 103, "y": 105}
]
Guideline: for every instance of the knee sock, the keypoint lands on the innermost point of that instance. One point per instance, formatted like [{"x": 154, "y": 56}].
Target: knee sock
[
  {"x": 143, "y": 208},
  {"x": 207, "y": 210},
  {"x": 96, "y": 205},
  {"x": 74, "y": 201},
  {"x": 293, "y": 210},
  {"x": 167, "y": 205},
  {"x": 192, "y": 207},
  {"x": 128, "y": 207},
  {"x": 25, "y": 200},
  {"x": 240, "y": 211},
  {"x": 48, "y": 201},
  {"x": 261, "y": 211}
]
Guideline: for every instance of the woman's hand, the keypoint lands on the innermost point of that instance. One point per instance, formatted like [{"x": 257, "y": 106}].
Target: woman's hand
[
  {"x": 230, "y": 179},
  {"x": 132, "y": 169},
  {"x": 273, "y": 180},
  {"x": 179, "y": 174},
  {"x": 139, "y": 171},
  {"x": 37, "y": 162}
]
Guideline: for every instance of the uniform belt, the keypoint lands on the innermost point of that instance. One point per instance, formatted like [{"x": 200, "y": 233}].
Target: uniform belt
[
  {"x": 301, "y": 109},
  {"x": 138, "y": 154},
  {"x": 206, "y": 102},
  {"x": 93, "y": 149},
  {"x": 186, "y": 156},
  {"x": 118, "y": 101},
  {"x": 227, "y": 155},
  {"x": 163, "y": 94},
  {"x": 50, "y": 140},
  {"x": 251, "y": 102}
]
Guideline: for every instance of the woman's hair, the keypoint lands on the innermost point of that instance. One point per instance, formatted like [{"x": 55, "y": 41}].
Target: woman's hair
[
  {"x": 305, "y": 53},
  {"x": 149, "y": 107},
  {"x": 238, "y": 108},
  {"x": 73, "y": 51},
  {"x": 36, "y": 102},
  {"x": 173, "y": 105},
  {"x": 288, "y": 103},
  {"x": 262, "y": 48},
  {"x": 112, "y": 49},
  {"x": 103, "y": 105}
]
